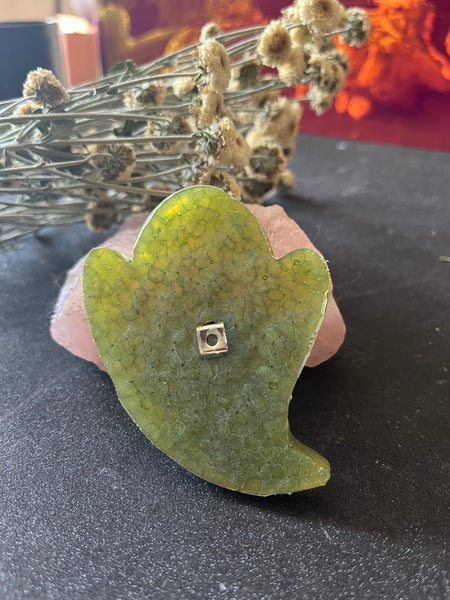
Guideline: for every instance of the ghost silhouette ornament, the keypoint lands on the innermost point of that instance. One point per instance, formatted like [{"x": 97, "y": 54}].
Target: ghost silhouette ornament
[{"x": 204, "y": 335}]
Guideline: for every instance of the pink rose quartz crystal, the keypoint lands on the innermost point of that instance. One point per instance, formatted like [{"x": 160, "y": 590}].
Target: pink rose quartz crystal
[{"x": 70, "y": 327}]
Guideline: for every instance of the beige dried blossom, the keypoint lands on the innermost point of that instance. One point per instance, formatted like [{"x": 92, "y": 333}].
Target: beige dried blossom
[
  {"x": 102, "y": 213},
  {"x": 224, "y": 181},
  {"x": 358, "y": 27},
  {"x": 338, "y": 56},
  {"x": 234, "y": 151},
  {"x": 281, "y": 127},
  {"x": 300, "y": 36},
  {"x": 320, "y": 16},
  {"x": 183, "y": 86},
  {"x": 286, "y": 182},
  {"x": 152, "y": 95},
  {"x": 319, "y": 100},
  {"x": 274, "y": 45},
  {"x": 255, "y": 137},
  {"x": 117, "y": 161},
  {"x": 338, "y": 81},
  {"x": 253, "y": 190},
  {"x": 318, "y": 69},
  {"x": 343, "y": 15},
  {"x": 209, "y": 106},
  {"x": 259, "y": 99},
  {"x": 228, "y": 112},
  {"x": 246, "y": 76},
  {"x": 292, "y": 72},
  {"x": 27, "y": 108},
  {"x": 326, "y": 75},
  {"x": 267, "y": 163},
  {"x": 289, "y": 15},
  {"x": 176, "y": 125},
  {"x": 43, "y": 87},
  {"x": 209, "y": 30},
  {"x": 214, "y": 65}
]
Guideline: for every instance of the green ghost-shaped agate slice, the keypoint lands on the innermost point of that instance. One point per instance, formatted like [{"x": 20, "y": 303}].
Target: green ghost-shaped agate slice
[{"x": 202, "y": 258}]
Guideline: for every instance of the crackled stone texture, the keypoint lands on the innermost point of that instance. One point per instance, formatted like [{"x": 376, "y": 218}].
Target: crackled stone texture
[
  {"x": 203, "y": 258},
  {"x": 69, "y": 322}
]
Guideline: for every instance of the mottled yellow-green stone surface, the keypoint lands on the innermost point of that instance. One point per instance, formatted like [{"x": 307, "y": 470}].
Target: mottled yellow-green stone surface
[{"x": 202, "y": 258}]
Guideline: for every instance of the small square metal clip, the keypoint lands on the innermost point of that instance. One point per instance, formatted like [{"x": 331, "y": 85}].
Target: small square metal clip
[{"x": 212, "y": 339}]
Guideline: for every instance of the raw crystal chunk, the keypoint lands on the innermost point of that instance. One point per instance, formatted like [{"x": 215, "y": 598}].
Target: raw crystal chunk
[{"x": 203, "y": 259}]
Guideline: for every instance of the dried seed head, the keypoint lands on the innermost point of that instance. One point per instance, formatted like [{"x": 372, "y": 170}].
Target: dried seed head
[
  {"x": 209, "y": 30},
  {"x": 260, "y": 99},
  {"x": 286, "y": 182},
  {"x": 338, "y": 56},
  {"x": 246, "y": 76},
  {"x": 10, "y": 182},
  {"x": 338, "y": 80},
  {"x": 103, "y": 214},
  {"x": 214, "y": 65},
  {"x": 208, "y": 144},
  {"x": 300, "y": 36},
  {"x": 274, "y": 44},
  {"x": 253, "y": 190},
  {"x": 179, "y": 126},
  {"x": 255, "y": 137},
  {"x": 222, "y": 180},
  {"x": 118, "y": 163},
  {"x": 280, "y": 125},
  {"x": 183, "y": 86},
  {"x": 197, "y": 168},
  {"x": 320, "y": 16},
  {"x": 289, "y": 15},
  {"x": 152, "y": 95},
  {"x": 358, "y": 27},
  {"x": 319, "y": 100},
  {"x": 326, "y": 75},
  {"x": 175, "y": 126},
  {"x": 27, "y": 108},
  {"x": 292, "y": 71},
  {"x": 43, "y": 87},
  {"x": 267, "y": 161},
  {"x": 235, "y": 151},
  {"x": 209, "y": 107}
]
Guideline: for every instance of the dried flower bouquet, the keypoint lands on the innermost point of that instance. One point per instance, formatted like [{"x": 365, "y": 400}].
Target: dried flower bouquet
[{"x": 209, "y": 113}]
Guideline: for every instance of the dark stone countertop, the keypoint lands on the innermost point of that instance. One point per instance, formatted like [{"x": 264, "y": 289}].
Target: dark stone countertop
[{"x": 90, "y": 509}]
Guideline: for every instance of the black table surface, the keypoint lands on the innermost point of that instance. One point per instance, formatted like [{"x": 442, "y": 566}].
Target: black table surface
[{"x": 91, "y": 509}]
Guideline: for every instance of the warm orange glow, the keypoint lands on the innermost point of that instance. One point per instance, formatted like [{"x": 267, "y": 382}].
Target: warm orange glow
[
  {"x": 70, "y": 24},
  {"x": 401, "y": 76},
  {"x": 341, "y": 102},
  {"x": 179, "y": 24},
  {"x": 399, "y": 62},
  {"x": 358, "y": 106}
]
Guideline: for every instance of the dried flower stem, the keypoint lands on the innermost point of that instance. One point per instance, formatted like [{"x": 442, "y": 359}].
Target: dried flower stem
[{"x": 118, "y": 144}]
